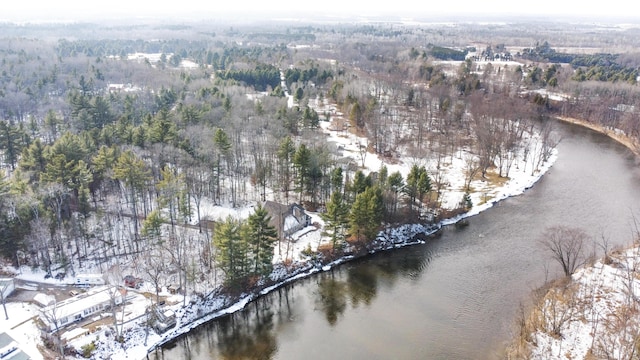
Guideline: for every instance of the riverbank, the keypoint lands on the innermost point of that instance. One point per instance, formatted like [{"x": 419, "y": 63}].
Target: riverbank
[
  {"x": 592, "y": 315},
  {"x": 617, "y": 135},
  {"x": 138, "y": 341}
]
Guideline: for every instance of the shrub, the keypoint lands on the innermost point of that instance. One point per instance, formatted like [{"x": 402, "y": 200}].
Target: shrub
[{"x": 88, "y": 349}]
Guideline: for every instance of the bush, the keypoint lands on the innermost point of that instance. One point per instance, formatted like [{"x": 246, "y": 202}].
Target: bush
[
  {"x": 307, "y": 251},
  {"x": 88, "y": 349}
]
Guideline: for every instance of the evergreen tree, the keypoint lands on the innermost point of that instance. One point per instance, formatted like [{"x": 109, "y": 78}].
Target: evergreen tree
[
  {"x": 152, "y": 225},
  {"x": 102, "y": 164},
  {"x": 360, "y": 183},
  {"x": 366, "y": 214},
  {"x": 383, "y": 174},
  {"x": 336, "y": 218},
  {"x": 223, "y": 147},
  {"x": 302, "y": 163},
  {"x": 418, "y": 184},
  {"x": 395, "y": 183},
  {"x": 285, "y": 156},
  {"x": 163, "y": 128},
  {"x": 74, "y": 176},
  {"x": 171, "y": 188},
  {"x": 12, "y": 140},
  {"x": 337, "y": 179},
  {"x": 33, "y": 160},
  {"x": 231, "y": 251},
  {"x": 310, "y": 118},
  {"x": 261, "y": 238},
  {"x": 133, "y": 173}
]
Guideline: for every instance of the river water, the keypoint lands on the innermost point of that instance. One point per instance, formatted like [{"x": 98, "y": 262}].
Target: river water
[{"x": 456, "y": 297}]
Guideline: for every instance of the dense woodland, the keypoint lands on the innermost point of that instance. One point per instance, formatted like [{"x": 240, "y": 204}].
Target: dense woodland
[{"x": 107, "y": 154}]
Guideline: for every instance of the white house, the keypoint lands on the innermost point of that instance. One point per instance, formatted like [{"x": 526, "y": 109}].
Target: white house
[{"x": 76, "y": 308}]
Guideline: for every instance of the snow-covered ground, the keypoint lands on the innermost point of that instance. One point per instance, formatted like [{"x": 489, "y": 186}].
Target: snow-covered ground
[
  {"x": 595, "y": 316},
  {"x": 21, "y": 327}
]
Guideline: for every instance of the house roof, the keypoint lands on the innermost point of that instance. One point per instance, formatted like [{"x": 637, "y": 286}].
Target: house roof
[
  {"x": 283, "y": 217},
  {"x": 290, "y": 222},
  {"x": 275, "y": 209},
  {"x": 7, "y": 342},
  {"x": 5, "y": 339},
  {"x": 4, "y": 282},
  {"x": 44, "y": 299},
  {"x": 79, "y": 303}
]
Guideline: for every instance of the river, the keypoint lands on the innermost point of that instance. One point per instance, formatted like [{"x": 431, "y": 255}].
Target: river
[{"x": 456, "y": 297}]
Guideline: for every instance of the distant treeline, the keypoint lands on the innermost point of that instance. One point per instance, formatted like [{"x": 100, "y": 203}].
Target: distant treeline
[
  {"x": 305, "y": 75},
  {"x": 444, "y": 53},
  {"x": 594, "y": 67},
  {"x": 260, "y": 77},
  {"x": 603, "y": 67}
]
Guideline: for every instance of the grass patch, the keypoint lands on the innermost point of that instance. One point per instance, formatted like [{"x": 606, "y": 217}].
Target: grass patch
[{"x": 495, "y": 180}]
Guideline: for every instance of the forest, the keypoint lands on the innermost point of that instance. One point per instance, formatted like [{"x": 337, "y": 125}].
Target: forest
[{"x": 112, "y": 146}]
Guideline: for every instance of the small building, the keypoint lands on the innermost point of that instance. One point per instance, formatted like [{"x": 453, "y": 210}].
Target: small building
[
  {"x": 115, "y": 88},
  {"x": 287, "y": 219},
  {"x": 165, "y": 319},
  {"x": 9, "y": 348},
  {"x": 44, "y": 300},
  {"x": 89, "y": 280},
  {"x": 133, "y": 282},
  {"x": 66, "y": 312},
  {"x": 7, "y": 285},
  {"x": 174, "y": 289}
]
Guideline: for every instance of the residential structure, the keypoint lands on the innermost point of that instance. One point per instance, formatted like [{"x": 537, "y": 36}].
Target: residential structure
[
  {"x": 9, "y": 349},
  {"x": 287, "y": 219},
  {"x": 64, "y": 313}
]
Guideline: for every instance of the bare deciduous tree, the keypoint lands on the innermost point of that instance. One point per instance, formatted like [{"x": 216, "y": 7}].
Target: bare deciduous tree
[
  {"x": 51, "y": 314},
  {"x": 567, "y": 246}
]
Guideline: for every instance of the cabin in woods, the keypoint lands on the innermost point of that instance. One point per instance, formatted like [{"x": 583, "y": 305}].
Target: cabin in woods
[{"x": 287, "y": 219}]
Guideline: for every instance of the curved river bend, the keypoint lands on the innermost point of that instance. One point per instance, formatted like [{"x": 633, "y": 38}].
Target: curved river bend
[{"x": 454, "y": 298}]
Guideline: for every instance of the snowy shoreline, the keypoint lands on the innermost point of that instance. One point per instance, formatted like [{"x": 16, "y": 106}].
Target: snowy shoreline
[
  {"x": 388, "y": 239},
  {"x": 616, "y": 135},
  {"x": 311, "y": 269}
]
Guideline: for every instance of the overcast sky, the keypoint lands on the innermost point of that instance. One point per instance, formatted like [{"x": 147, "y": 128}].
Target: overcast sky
[{"x": 54, "y": 10}]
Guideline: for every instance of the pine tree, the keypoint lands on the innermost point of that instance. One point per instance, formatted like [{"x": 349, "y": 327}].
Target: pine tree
[
  {"x": 152, "y": 225},
  {"x": 261, "y": 237},
  {"x": 172, "y": 188},
  {"x": 366, "y": 214},
  {"x": 285, "y": 156},
  {"x": 12, "y": 140},
  {"x": 395, "y": 183},
  {"x": 223, "y": 147},
  {"x": 231, "y": 251},
  {"x": 33, "y": 160},
  {"x": 302, "y": 163},
  {"x": 336, "y": 218},
  {"x": 163, "y": 128},
  {"x": 418, "y": 184},
  {"x": 360, "y": 183},
  {"x": 133, "y": 172}
]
